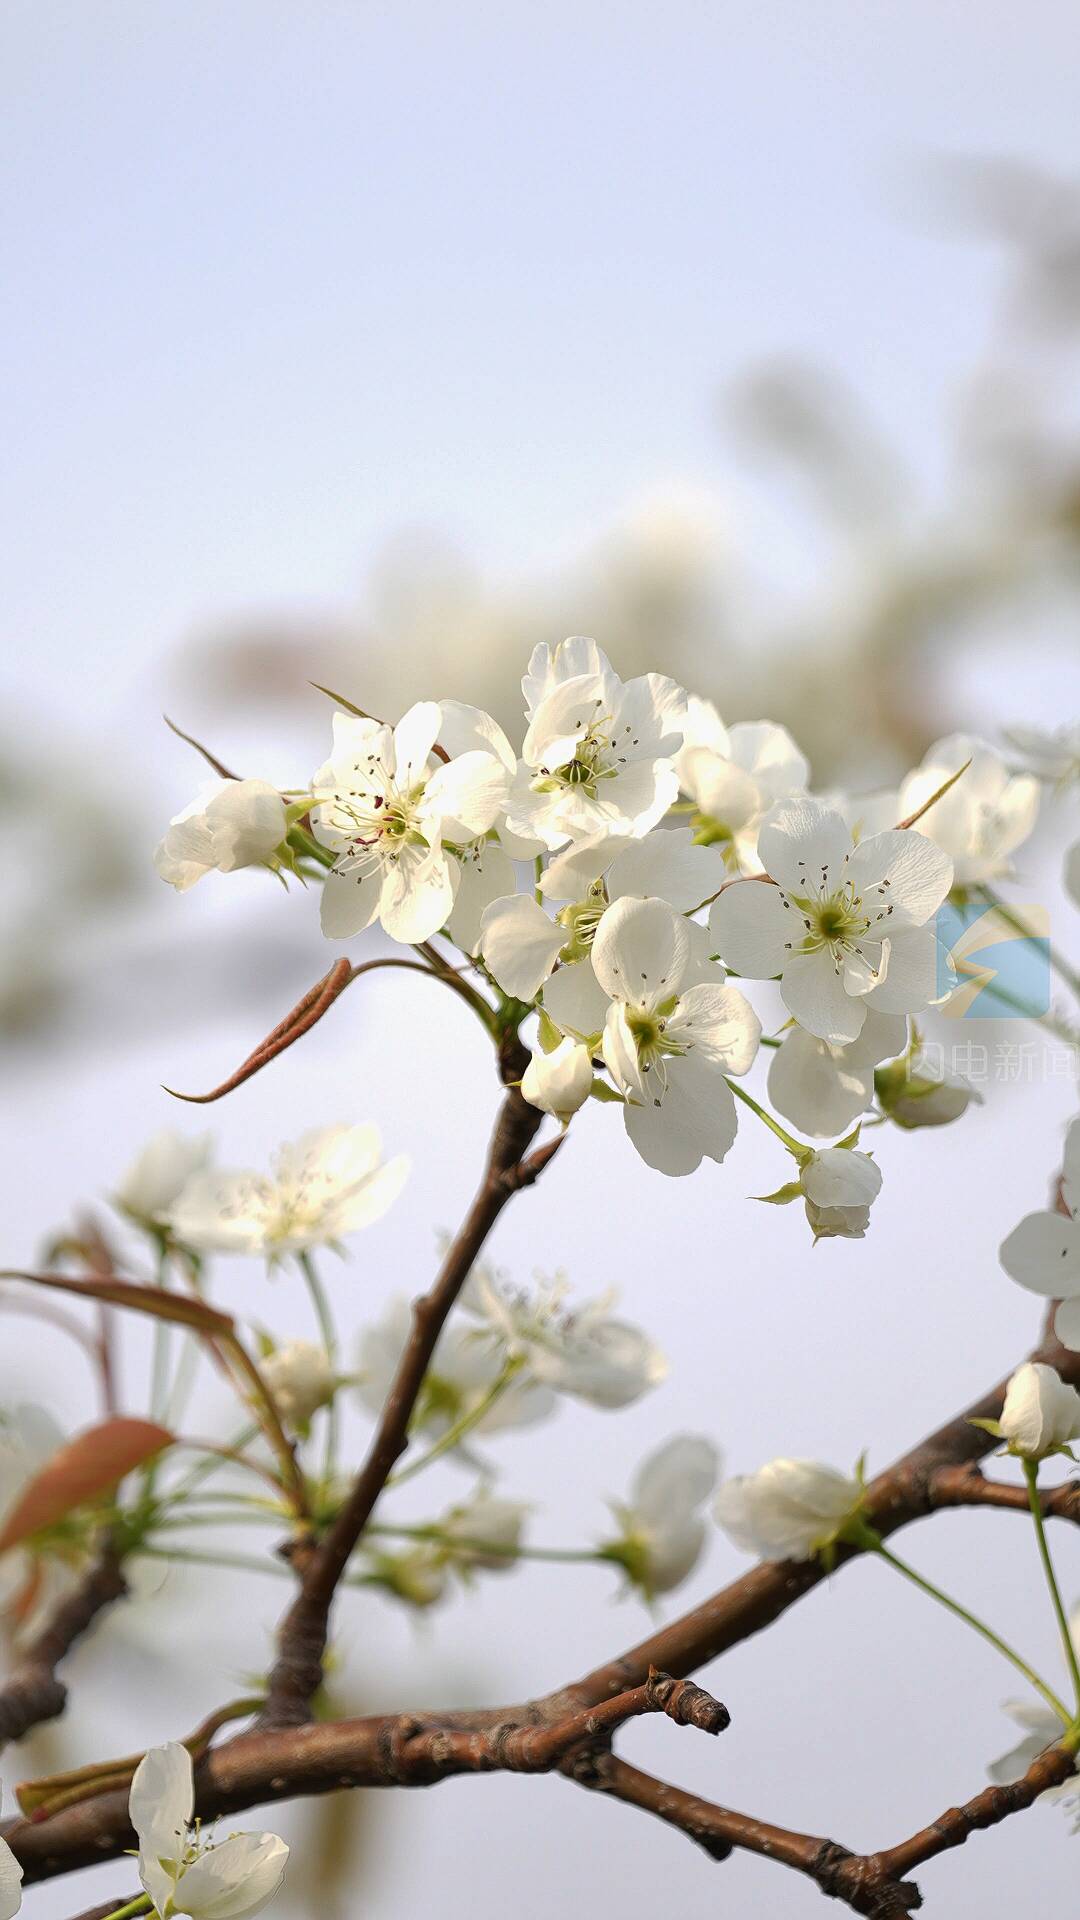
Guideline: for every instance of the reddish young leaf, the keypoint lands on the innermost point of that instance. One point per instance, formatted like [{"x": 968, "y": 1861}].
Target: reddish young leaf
[
  {"x": 90, "y": 1465},
  {"x": 184, "y": 1308}
]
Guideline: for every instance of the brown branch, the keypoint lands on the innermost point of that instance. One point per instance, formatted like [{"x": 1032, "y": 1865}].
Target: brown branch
[
  {"x": 297, "y": 1671},
  {"x": 385, "y": 1751},
  {"x": 32, "y": 1693},
  {"x": 968, "y": 1487}
]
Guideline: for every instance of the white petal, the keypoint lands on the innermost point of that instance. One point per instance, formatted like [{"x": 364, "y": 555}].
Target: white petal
[
  {"x": 467, "y": 795},
  {"x": 487, "y": 874},
  {"x": 640, "y": 950},
  {"x": 816, "y": 1086},
  {"x": 813, "y": 991},
  {"x": 414, "y": 736},
  {"x": 915, "y": 976},
  {"x": 235, "y": 1879},
  {"x": 350, "y": 900},
  {"x": 417, "y": 894},
  {"x": 621, "y": 1055},
  {"x": 798, "y": 838},
  {"x": 1067, "y": 1323},
  {"x": 558, "y": 1082},
  {"x": 841, "y": 1177},
  {"x": 1070, "y": 1169},
  {"x": 751, "y": 928},
  {"x": 722, "y": 1025},
  {"x": 904, "y": 870},
  {"x": 678, "y": 1477},
  {"x": 668, "y": 866},
  {"x": 1043, "y": 1254},
  {"x": 575, "y": 1000},
  {"x": 520, "y": 944},
  {"x": 465, "y": 728},
  {"x": 162, "y": 1800},
  {"x": 571, "y": 873}
]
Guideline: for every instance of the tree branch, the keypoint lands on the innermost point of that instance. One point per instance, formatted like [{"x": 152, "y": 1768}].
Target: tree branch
[
  {"x": 297, "y": 1671},
  {"x": 32, "y": 1693}
]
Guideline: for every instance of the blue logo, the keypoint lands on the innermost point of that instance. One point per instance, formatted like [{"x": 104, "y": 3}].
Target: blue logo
[{"x": 990, "y": 969}]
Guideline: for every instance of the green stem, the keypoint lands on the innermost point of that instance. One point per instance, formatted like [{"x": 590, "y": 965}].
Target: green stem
[
  {"x": 796, "y": 1147},
  {"x": 538, "y": 874},
  {"x": 237, "y": 1562},
  {"x": 560, "y": 1555},
  {"x": 464, "y": 1424},
  {"x": 212, "y": 1463},
  {"x": 987, "y": 1633},
  {"x": 141, "y": 1904},
  {"x": 1031, "y": 1475},
  {"x": 328, "y": 1334}
]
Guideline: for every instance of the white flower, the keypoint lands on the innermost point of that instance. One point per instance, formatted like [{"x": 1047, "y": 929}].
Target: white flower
[
  {"x": 982, "y": 820},
  {"x": 839, "y": 1184},
  {"x": 1042, "y": 1729},
  {"x": 242, "y": 825},
  {"x": 821, "y": 1088},
  {"x": 10, "y": 1883},
  {"x": 1041, "y": 1414},
  {"x": 484, "y": 1532},
  {"x": 392, "y": 820},
  {"x": 182, "y": 1874},
  {"x": 668, "y": 1041},
  {"x": 1043, "y": 1252},
  {"x": 921, "y": 1092},
  {"x": 597, "y": 756},
  {"x": 788, "y": 1510},
  {"x": 301, "y": 1380},
  {"x": 156, "y": 1179},
  {"x": 559, "y": 1082},
  {"x": 735, "y": 774},
  {"x": 580, "y": 1350},
  {"x": 844, "y": 925},
  {"x": 1051, "y": 754},
  {"x": 464, "y": 1367},
  {"x": 662, "y": 1529},
  {"x": 325, "y": 1185},
  {"x": 521, "y": 943}
]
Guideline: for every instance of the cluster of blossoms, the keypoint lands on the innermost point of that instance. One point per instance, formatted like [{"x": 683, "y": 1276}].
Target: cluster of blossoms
[{"x": 662, "y": 852}]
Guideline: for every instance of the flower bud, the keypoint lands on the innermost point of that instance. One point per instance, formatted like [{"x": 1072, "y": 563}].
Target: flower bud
[
  {"x": 1041, "y": 1414},
  {"x": 789, "y": 1510},
  {"x": 915, "y": 1094},
  {"x": 559, "y": 1082},
  {"x": 839, "y": 1184},
  {"x": 301, "y": 1381}
]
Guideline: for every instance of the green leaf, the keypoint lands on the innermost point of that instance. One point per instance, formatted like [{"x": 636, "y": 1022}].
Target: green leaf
[{"x": 782, "y": 1197}]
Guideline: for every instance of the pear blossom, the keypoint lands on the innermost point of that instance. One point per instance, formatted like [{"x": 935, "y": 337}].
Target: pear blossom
[
  {"x": 662, "y": 1531},
  {"x": 521, "y": 943},
  {"x": 598, "y": 752},
  {"x": 843, "y": 925},
  {"x": 483, "y": 1532},
  {"x": 238, "y": 823},
  {"x": 11, "y": 1875},
  {"x": 485, "y": 863},
  {"x": 156, "y": 1178},
  {"x": 582, "y": 1350},
  {"x": 735, "y": 774},
  {"x": 561, "y": 1081},
  {"x": 1043, "y": 1252},
  {"x": 1041, "y": 1728},
  {"x": 393, "y": 821},
  {"x": 180, "y": 1872},
  {"x": 982, "y": 820},
  {"x": 301, "y": 1380},
  {"x": 788, "y": 1510},
  {"x": 1041, "y": 1413},
  {"x": 325, "y": 1185},
  {"x": 822, "y": 1088},
  {"x": 839, "y": 1185},
  {"x": 464, "y": 1368},
  {"x": 668, "y": 1039},
  {"x": 920, "y": 1092}
]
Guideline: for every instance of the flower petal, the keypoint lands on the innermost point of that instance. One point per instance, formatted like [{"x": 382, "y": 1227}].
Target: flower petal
[
  {"x": 814, "y": 992},
  {"x": 640, "y": 950},
  {"x": 520, "y": 944},
  {"x": 751, "y": 929},
  {"x": 1043, "y": 1255}
]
